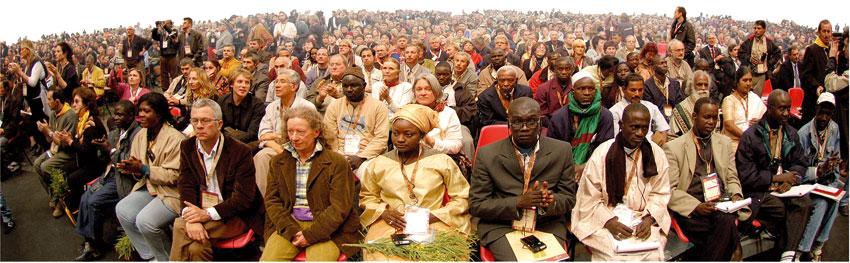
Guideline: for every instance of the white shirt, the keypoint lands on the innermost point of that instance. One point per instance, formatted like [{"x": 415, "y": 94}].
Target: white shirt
[
  {"x": 289, "y": 30},
  {"x": 449, "y": 90},
  {"x": 450, "y": 123},
  {"x": 271, "y": 121},
  {"x": 657, "y": 124},
  {"x": 754, "y": 110},
  {"x": 400, "y": 94},
  {"x": 212, "y": 183}
]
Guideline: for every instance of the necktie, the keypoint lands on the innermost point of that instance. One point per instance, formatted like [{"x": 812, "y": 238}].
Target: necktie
[
  {"x": 796, "y": 75},
  {"x": 710, "y": 48}
]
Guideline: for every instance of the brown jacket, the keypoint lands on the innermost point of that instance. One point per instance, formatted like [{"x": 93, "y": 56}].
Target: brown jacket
[
  {"x": 330, "y": 194},
  {"x": 682, "y": 154},
  {"x": 235, "y": 174}
]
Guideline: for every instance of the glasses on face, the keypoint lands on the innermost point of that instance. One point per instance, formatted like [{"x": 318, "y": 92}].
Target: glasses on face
[
  {"x": 201, "y": 121},
  {"x": 295, "y": 133},
  {"x": 528, "y": 123}
]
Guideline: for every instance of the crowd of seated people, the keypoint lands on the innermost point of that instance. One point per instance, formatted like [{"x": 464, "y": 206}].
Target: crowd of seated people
[{"x": 314, "y": 133}]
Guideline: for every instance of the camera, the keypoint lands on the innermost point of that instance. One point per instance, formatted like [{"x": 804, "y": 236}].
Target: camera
[{"x": 838, "y": 35}]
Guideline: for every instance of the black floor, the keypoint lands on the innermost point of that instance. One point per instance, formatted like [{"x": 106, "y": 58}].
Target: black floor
[{"x": 40, "y": 237}]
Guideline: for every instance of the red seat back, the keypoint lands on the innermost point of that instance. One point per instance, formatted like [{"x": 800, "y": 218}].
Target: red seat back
[
  {"x": 236, "y": 242},
  {"x": 796, "y": 101},
  {"x": 490, "y": 134},
  {"x": 768, "y": 87}
]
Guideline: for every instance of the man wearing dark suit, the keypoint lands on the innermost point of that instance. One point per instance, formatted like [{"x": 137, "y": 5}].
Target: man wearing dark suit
[
  {"x": 190, "y": 43},
  {"x": 133, "y": 49},
  {"x": 496, "y": 189},
  {"x": 814, "y": 68},
  {"x": 553, "y": 44},
  {"x": 667, "y": 98},
  {"x": 217, "y": 188},
  {"x": 788, "y": 74},
  {"x": 683, "y": 30},
  {"x": 493, "y": 102},
  {"x": 711, "y": 52}
]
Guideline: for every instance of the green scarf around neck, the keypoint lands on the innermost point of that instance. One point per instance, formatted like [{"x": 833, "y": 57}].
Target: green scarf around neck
[{"x": 586, "y": 128}]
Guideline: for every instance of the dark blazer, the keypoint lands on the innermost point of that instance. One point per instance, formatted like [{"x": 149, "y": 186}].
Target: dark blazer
[
  {"x": 552, "y": 47},
  {"x": 561, "y": 127},
  {"x": 687, "y": 35},
  {"x": 773, "y": 54},
  {"x": 465, "y": 104},
  {"x": 785, "y": 79},
  {"x": 235, "y": 174},
  {"x": 497, "y": 183},
  {"x": 242, "y": 122},
  {"x": 490, "y": 109},
  {"x": 705, "y": 53},
  {"x": 812, "y": 74},
  {"x": 139, "y": 43},
  {"x": 547, "y": 96},
  {"x": 752, "y": 160},
  {"x": 330, "y": 194},
  {"x": 653, "y": 94},
  {"x": 196, "y": 45}
]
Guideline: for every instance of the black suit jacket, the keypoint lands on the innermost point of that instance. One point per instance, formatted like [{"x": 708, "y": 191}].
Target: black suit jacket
[
  {"x": 812, "y": 74},
  {"x": 773, "y": 54},
  {"x": 497, "y": 183},
  {"x": 785, "y": 79},
  {"x": 653, "y": 94},
  {"x": 235, "y": 174},
  {"x": 705, "y": 53},
  {"x": 139, "y": 43},
  {"x": 196, "y": 45},
  {"x": 490, "y": 109}
]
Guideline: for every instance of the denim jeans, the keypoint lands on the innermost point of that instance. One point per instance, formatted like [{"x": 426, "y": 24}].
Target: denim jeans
[
  {"x": 147, "y": 222},
  {"x": 820, "y": 222}
]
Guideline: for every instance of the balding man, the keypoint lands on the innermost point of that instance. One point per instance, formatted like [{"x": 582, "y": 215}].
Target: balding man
[
  {"x": 677, "y": 67},
  {"x": 280, "y": 64},
  {"x": 487, "y": 76},
  {"x": 629, "y": 47},
  {"x": 493, "y": 102},
  {"x": 329, "y": 87},
  {"x": 133, "y": 48},
  {"x": 711, "y": 52},
  {"x": 623, "y": 194},
  {"x": 510, "y": 184},
  {"x": 770, "y": 159}
]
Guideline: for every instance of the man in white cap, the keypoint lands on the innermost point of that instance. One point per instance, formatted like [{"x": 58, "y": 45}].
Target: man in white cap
[
  {"x": 582, "y": 121},
  {"x": 820, "y": 141}
]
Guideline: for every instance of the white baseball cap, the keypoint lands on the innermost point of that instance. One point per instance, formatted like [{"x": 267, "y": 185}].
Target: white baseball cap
[{"x": 826, "y": 97}]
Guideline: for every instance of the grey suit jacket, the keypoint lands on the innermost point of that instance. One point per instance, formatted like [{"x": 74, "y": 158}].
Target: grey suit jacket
[
  {"x": 682, "y": 157},
  {"x": 497, "y": 183}
]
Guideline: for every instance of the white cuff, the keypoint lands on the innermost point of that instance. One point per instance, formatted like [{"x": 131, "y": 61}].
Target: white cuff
[{"x": 213, "y": 214}]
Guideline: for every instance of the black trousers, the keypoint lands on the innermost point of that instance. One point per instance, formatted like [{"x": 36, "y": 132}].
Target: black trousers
[
  {"x": 786, "y": 217},
  {"x": 715, "y": 236}
]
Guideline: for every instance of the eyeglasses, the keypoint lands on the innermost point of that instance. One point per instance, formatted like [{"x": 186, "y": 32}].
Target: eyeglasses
[
  {"x": 529, "y": 123},
  {"x": 294, "y": 133},
  {"x": 201, "y": 121}
]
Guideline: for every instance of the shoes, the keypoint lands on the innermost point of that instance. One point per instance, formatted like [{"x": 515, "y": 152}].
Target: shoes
[
  {"x": 58, "y": 211},
  {"x": 90, "y": 253},
  {"x": 843, "y": 210},
  {"x": 817, "y": 253},
  {"x": 8, "y": 226}
]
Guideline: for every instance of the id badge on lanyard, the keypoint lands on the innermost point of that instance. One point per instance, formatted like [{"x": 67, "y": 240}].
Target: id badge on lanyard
[
  {"x": 187, "y": 49},
  {"x": 710, "y": 187},
  {"x": 165, "y": 43},
  {"x": 129, "y": 52},
  {"x": 352, "y": 144},
  {"x": 209, "y": 199},
  {"x": 528, "y": 221}
]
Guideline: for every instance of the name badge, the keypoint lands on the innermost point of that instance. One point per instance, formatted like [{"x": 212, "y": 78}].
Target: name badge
[
  {"x": 352, "y": 144},
  {"x": 129, "y": 52},
  {"x": 165, "y": 44},
  {"x": 668, "y": 110},
  {"x": 209, "y": 199},
  {"x": 527, "y": 222},
  {"x": 187, "y": 49},
  {"x": 710, "y": 187}
]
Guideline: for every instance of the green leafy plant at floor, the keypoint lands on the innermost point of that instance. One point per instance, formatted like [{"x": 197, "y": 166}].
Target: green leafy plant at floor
[
  {"x": 124, "y": 248},
  {"x": 447, "y": 246},
  {"x": 58, "y": 187}
]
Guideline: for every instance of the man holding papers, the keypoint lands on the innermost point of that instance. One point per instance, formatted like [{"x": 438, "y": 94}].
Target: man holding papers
[
  {"x": 820, "y": 141},
  {"x": 621, "y": 203},
  {"x": 770, "y": 158},
  {"x": 702, "y": 174}
]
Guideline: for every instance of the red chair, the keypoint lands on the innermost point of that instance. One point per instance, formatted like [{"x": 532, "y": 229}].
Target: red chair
[
  {"x": 678, "y": 230},
  {"x": 490, "y": 134},
  {"x": 796, "y": 101},
  {"x": 768, "y": 87},
  {"x": 236, "y": 242},
  {"x": 302, "y": 257}
]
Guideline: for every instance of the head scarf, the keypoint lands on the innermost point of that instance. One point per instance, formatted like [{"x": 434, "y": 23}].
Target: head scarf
[
  {"x": 581, "y": 74},
  {"x": 420, "y": 116}
]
